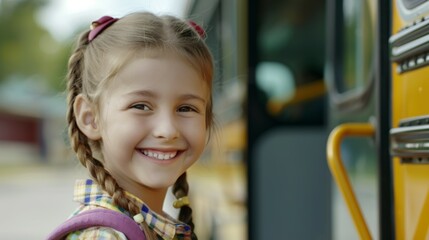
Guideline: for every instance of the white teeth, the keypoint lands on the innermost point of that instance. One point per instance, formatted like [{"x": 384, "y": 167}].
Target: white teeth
[{"x": 160, "y": 156}]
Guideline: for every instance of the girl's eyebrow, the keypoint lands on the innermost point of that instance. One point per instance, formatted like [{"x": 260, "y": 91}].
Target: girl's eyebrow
[
  {"x": 151, "y": 94},
  {"x": 144, "y": 93},
  {"x": 193, "y": 96}
]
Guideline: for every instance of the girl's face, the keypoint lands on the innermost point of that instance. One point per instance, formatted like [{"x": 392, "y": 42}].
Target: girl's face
[{"x": 152, "y": 122}]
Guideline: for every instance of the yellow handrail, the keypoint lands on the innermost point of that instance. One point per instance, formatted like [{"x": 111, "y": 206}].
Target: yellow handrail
[{"x": 339, "y": 173}]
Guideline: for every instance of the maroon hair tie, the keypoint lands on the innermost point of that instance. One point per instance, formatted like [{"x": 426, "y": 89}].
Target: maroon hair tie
[
  {"x": 98, "y": 26},
  {"x": 198, "y": 28}
]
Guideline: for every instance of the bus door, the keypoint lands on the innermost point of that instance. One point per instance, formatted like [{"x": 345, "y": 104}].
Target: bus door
[
  {"x": 289, "y": 182},
  {"x": 350, "y": 77}
]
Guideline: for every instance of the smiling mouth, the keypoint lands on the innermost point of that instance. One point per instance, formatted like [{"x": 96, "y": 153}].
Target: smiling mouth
[{"x": 159, "y": 155}]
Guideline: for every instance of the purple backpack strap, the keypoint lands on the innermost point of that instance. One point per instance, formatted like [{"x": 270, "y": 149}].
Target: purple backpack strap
[{"x": 102, "y": 218}]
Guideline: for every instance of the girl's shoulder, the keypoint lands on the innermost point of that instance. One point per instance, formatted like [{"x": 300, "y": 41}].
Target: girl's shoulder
[{"x": 96, "y": 232}]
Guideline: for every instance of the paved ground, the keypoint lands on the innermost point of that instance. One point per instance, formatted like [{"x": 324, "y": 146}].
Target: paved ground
[{"x": 34, "y": 199}]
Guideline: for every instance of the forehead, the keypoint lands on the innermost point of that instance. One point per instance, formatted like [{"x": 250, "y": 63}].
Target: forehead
[{"x": 167, "y": 72}]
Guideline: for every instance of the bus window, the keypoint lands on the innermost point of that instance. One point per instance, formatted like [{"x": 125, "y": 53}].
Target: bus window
[
  {"x": 289, "y": 70},
  {"x": 350, "y": 71}
]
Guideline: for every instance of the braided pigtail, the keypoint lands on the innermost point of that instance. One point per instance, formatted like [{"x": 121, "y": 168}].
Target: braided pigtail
[
  {"x": 180, "y": 190},
  {"x": 80, "y": 142}
]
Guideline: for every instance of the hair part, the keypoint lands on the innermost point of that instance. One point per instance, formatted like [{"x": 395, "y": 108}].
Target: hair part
[{"x": 94, "y": 64}]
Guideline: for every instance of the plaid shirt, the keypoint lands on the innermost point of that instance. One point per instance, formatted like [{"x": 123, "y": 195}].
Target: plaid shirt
[{"x": 91, "y": 196}]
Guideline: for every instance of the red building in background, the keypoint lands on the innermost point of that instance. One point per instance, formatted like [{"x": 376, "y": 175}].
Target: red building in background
[{"x": 18, "y": 128}]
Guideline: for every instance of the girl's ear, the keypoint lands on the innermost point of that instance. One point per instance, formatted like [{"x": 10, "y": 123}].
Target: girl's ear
[{"x": 86, "y": 117}]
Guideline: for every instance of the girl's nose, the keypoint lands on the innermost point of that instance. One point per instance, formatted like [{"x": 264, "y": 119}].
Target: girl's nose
[{"x": 166, "y": 127}]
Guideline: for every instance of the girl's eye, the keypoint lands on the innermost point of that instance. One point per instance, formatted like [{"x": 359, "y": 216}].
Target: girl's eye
[
  {"x": 187, "y": 109},
  {"x": 141, "y": 106}
]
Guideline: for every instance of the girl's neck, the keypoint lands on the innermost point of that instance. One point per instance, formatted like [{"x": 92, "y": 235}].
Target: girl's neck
[{"x": 154, "y": 198}]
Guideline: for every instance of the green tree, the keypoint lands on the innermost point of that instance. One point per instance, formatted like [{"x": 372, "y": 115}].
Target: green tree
[{"x": 26, "y": 48}]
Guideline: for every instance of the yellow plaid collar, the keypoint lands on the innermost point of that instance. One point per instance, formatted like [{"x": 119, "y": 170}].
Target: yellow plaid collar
[{"x": 87, "y": 192}]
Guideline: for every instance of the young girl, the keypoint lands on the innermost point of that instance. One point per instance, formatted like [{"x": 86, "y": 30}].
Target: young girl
[{"x": 139, "y": 113}]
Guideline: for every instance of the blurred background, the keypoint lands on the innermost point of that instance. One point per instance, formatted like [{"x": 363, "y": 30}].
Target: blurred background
[{"x": 264, "y": 174}]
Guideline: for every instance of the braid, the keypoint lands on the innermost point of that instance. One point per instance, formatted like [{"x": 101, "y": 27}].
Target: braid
[
  {"x": 80, "y": 143},
  {"x": 181, "y": 189}
]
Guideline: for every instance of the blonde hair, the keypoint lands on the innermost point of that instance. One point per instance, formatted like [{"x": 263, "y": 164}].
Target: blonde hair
[{"x": 91, "y": 67}]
